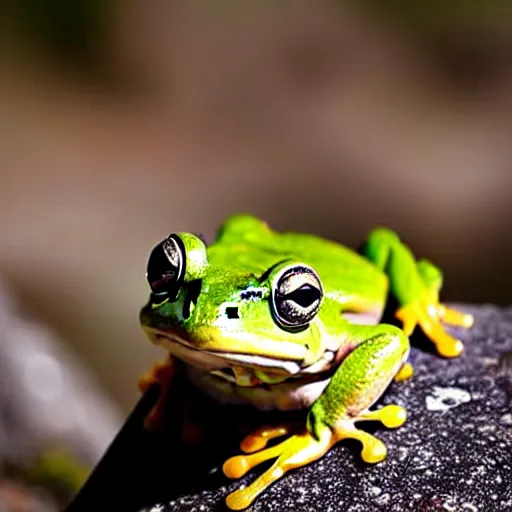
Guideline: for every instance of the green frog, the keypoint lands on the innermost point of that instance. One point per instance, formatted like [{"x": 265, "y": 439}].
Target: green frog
[{"x": 286, "y": 320}]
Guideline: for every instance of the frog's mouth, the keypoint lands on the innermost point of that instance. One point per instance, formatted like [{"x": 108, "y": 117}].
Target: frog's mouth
[{"x": 244, "y": 370}]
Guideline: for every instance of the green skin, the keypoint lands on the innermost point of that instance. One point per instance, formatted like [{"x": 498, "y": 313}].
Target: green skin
[{"x": 247, "y": 255}]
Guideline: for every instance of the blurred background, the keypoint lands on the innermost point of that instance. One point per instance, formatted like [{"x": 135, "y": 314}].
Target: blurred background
[{"x": 124, "y": 121}]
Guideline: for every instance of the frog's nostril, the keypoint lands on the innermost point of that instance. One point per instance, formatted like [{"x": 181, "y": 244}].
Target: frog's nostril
[{"x": 232, "y": 312}]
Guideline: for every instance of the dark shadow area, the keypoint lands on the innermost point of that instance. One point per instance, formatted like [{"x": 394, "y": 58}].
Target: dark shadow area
[{"x": 142, "y": 468}]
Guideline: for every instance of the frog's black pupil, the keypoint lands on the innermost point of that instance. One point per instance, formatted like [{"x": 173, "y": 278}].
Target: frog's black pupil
[
  {"x": 305, "y": 295},
  {"x": 161, "y": 272}
]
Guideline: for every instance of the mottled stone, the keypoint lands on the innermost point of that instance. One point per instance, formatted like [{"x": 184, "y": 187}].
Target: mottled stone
[{"x": 454, "y": 452}]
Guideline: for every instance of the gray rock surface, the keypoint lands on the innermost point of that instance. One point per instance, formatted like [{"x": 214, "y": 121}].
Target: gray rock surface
[{"x": 454, "y": 453}]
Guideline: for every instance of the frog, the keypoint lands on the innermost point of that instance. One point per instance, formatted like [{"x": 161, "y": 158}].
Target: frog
[{"x": 288, "y": 320}]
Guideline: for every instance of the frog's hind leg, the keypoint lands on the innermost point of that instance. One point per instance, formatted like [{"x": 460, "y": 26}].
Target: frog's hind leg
[
  {"x": 416, "y": 286},
  {"x": 433, "y": 279},
  {"x": 359, "y": 381}
]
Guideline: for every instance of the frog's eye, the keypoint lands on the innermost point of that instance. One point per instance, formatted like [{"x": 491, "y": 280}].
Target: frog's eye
[
  {"x": 296, "y": 296},
  {"x": 166, "y": 267}
]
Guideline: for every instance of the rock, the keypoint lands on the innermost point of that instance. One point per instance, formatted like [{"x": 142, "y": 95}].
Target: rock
[{"x": 453, "y": 453}]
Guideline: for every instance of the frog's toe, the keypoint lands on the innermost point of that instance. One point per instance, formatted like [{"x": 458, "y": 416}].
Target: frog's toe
[
  {"x": 446, "y": 344},
  {"x": 238, "y": 466},
  {"x": 453, "y": 317},
  {"x": 427, "y": 316},
  {"x": 407, "y": 315},
  {"x": 374, "y": 450},
  {"x": 296, "y": 451},
  {"x": 405, "y": 373},
  {"x": 391, "y": 416},
  {"x": 258, "y": 439}
]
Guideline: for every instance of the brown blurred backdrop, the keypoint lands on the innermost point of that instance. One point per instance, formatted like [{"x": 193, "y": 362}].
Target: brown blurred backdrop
[{"x": 124, "y": 121}]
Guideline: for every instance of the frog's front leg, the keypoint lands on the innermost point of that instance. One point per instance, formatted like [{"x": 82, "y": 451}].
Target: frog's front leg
[
  {"x": 416, "y": 286},
  {"x": 161, "y": 374},
  {"x": 362, "y": 377}
]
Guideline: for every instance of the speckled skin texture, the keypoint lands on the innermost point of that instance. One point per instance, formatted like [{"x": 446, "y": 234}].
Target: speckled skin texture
[{"x": 453, "y": 454}]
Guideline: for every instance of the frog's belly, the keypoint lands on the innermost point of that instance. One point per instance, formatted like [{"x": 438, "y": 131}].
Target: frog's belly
[{"x": 297, "y": 393}]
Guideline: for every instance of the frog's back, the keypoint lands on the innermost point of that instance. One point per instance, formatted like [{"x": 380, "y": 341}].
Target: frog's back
[{"x": 249, "y": 244}]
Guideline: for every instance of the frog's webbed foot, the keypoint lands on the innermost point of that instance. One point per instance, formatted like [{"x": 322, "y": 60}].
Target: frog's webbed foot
[
  {"x": 160, "y": 374},
  {"x": 301, "y": 449},
  {"x": 298, "y": 450},
  {"x": 429, "y": 314}
]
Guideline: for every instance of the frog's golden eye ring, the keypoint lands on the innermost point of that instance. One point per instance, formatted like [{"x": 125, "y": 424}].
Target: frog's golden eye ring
[
  {"x": 296, "y": 296},
  {"x": 166, "y": 267}
]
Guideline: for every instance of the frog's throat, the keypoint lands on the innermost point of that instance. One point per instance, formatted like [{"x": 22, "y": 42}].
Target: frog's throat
[{"x": 237, "y": 367}]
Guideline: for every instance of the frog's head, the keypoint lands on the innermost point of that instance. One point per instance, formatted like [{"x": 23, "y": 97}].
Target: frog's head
[{"x": 246, "y": 326}]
